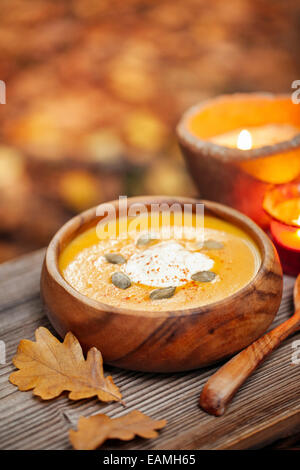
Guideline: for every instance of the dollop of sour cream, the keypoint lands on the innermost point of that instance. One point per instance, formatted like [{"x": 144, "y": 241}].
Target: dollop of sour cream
[{"x": 165, "y": 264}]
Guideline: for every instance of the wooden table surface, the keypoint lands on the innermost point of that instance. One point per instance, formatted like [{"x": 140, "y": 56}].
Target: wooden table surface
[{"x": 266, "y": 408}]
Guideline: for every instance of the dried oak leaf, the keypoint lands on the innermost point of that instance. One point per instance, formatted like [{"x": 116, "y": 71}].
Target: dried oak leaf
[
  {"x": 50, "y": 367},
  {"x": 93, "y": 431}
]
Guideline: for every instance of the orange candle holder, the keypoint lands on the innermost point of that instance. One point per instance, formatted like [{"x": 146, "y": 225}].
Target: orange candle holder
[
  {"x": 282, "y": 204},
  {"x": 232, "y": 176}
]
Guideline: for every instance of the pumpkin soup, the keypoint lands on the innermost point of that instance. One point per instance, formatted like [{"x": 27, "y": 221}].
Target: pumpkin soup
[{"x": 149, "y": 271}]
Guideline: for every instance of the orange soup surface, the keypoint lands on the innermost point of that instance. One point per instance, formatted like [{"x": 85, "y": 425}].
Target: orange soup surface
[{"x": 149, "y": 272}]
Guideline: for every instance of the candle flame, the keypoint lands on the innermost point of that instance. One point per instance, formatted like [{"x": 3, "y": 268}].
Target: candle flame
[
  {"x": 296, "y": 221},
  {"x": 244, "y": 141},
  {"x": 298, "y": 233}
]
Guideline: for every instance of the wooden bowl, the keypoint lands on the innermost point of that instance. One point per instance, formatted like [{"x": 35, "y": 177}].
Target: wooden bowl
[
  {"x": 164, "y": 341},
  {"x": 239, "y": 178}
]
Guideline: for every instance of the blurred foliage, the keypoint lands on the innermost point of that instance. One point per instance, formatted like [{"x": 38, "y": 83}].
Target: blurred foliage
[{"x": 95, "y": 89}]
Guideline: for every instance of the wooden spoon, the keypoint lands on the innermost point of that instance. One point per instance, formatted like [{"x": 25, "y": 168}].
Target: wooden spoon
[{"x": 222, "y": 386}]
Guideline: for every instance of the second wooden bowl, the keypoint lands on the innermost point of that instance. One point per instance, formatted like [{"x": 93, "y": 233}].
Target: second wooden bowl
[{"x": 164, "y": 341}]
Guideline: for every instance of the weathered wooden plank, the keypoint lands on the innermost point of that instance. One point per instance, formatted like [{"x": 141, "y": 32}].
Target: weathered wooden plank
[{"x": 265, "y": 409}]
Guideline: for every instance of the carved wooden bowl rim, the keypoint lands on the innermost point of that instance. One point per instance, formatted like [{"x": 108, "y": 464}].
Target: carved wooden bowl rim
[
  {"x": 88, "y": 218},
  {"x": 196, "y": 144}
]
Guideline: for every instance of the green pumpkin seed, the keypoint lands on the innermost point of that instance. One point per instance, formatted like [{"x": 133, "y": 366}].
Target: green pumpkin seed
[
  {"x": 145, "y": 239},
  {"x": 204, "y": 276},
  {"x": 120, "y": 280},
  {"x": 115, "y": 258},
  {"x": 164, "y": 293},
  {"x": 212, "y": 245}
]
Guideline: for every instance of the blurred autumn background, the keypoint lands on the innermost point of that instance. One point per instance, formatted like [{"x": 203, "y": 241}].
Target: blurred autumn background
[{"x": 95, "y": 89}]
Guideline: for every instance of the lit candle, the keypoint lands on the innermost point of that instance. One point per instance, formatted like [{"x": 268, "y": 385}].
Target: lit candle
[
  {"x": 287, "y": 242},
  {"x": 287, "y": 236},
  {"x": 271, "y": 170},
  {"x": 259, "y": 136},
  {"x": 244, "y": 140},
  {"x": 283, "y": 205},
  {"x": 237, "y": 145}
]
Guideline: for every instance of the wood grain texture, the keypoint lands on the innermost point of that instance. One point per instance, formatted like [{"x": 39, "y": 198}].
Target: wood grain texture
[
  {"x": 222, "y": 386},
  {"x": 164, "y": 341},
  {"x": 265, "y": 409}
]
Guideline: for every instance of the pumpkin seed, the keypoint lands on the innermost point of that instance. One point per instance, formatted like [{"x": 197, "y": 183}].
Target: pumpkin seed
[
  {"x": 212, "y": 245},
  {"x": 164, "y": 293},
  {"x": 114, "y": 258},
  {"x": 204, "y": 276},
  {"x": 145, "y": 238},
  {"x": 120, "y": 280}
]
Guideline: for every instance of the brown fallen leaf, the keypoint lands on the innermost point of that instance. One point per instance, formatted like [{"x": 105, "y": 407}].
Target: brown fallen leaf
[
  {"x": 50, "y": 367},
  {"x": 93, "y": 431}
]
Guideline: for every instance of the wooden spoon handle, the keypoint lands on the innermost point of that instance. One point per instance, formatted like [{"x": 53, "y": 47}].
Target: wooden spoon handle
[{"x": 222, "y": 386}]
